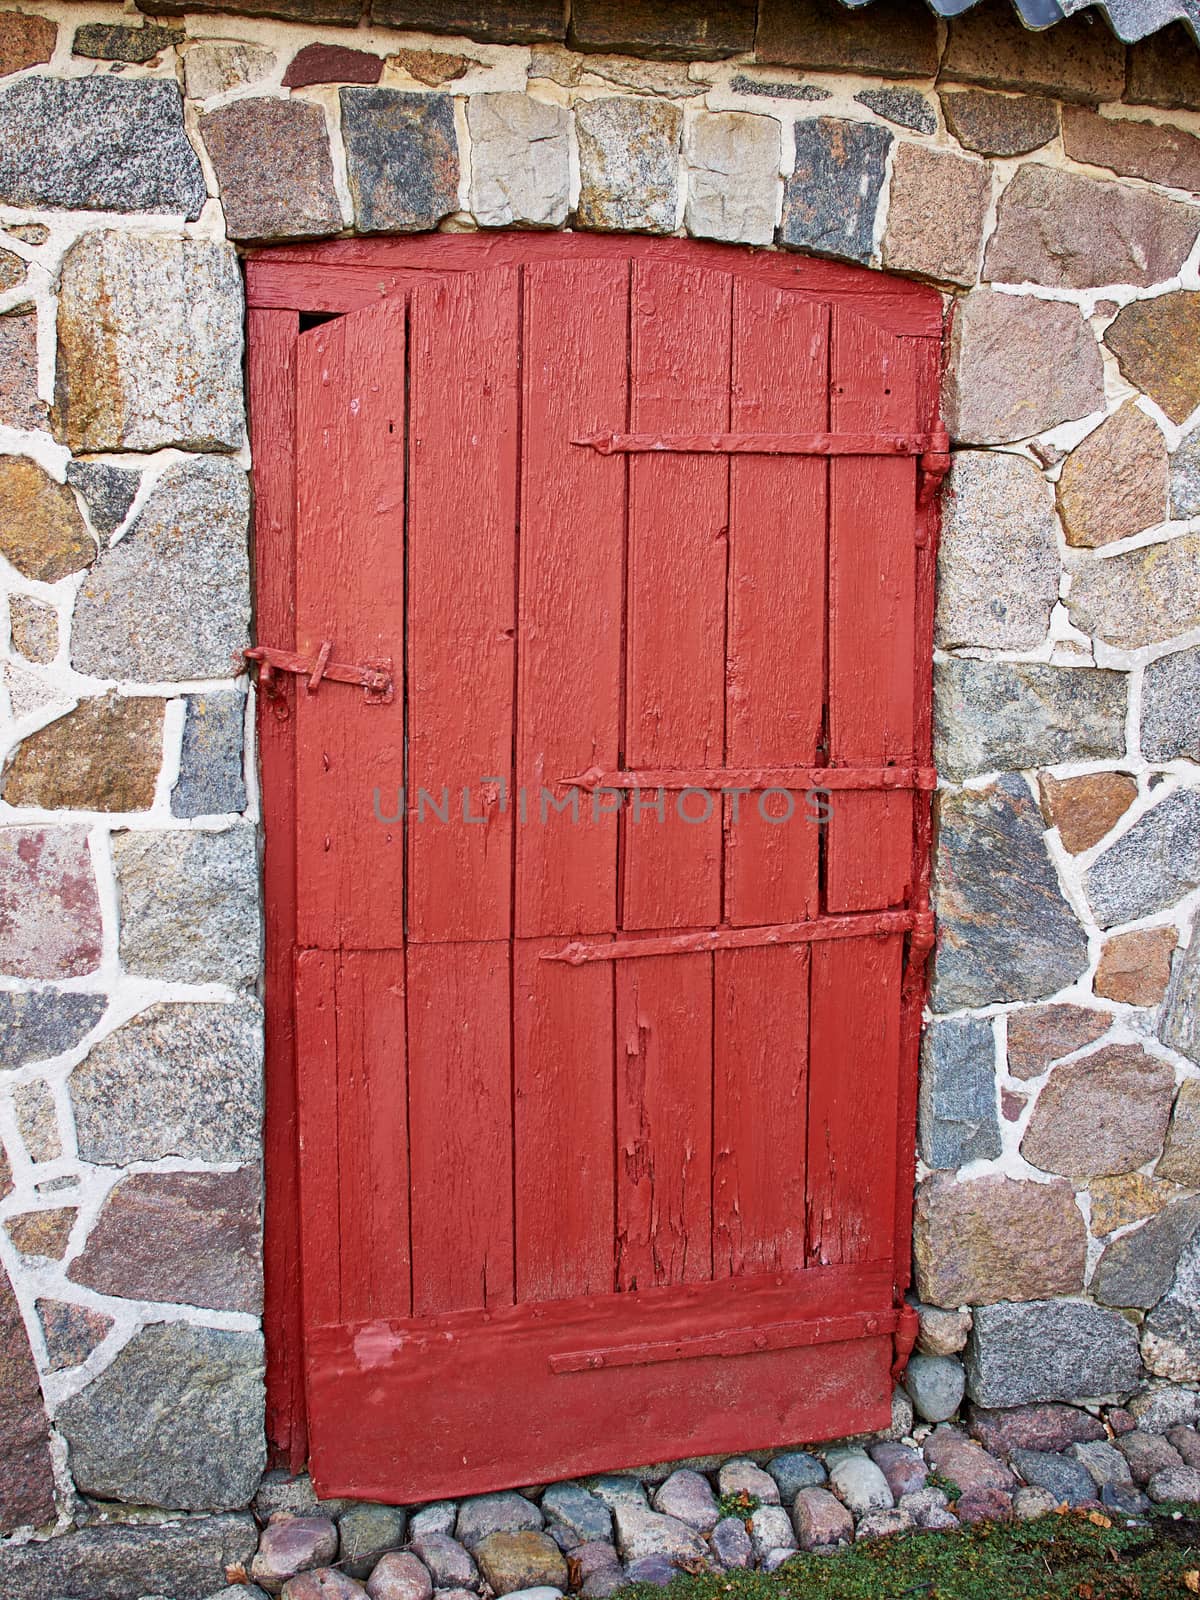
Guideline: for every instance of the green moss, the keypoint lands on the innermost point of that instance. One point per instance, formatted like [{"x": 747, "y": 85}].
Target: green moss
[
  {"x": 741, "y": 1503},
  {"x": 1066, "y": 1557}
]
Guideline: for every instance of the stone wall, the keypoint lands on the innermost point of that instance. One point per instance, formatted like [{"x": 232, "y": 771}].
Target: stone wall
[{"x": 1047, "y": 182}]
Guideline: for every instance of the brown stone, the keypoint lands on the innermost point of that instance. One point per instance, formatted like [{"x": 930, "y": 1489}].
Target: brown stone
[
  {"x": 999, "y": 124},
  {"x": 26, "y": 1474},
  {"x": 6, "y": 1183},
  {"x": 668, "y": 29},
  {"x": 526, "y": 1559},
  {"x": 1181, "y": 1158},
  {"x": 890, "y": 37},
  {"x": 37, "y": 1120},
  {"x": 49, "y": 911},
  {"x": 114, "y": 41},
  {"x": 28, "y": 232},
  {"x": 1114, "y": 483},
  {"x": 1164, "y": 70},
  {"x": 191, "y": 1238},
  {"x": 42, "y": 1233},
  {"x": 996, "y": 1238},
  {"x": 332, "y": 63},
  {"x": 935, "y": 219},
  {"x": 1017, "y": 367},
  {"x": 34, "y": 628},
  {"x": 1047, "y": 1426},
  {"x": 12, "y": 269},
  {"x": 1151, "y": 150},
  {"x": 1129, "y": 1197},
  {"x": 25, "y": 41},
  {"x": 1157, "y": 346},
  {"x": 20, "y": 405},
  {"x": 431, "y": 67},
  {"x": 1143, "y": 597},
  {"x": 41, "y": 530},
  {"x": 492, "y": 21},
  {"x": 103, "y": 756},
  {"x": 942, "y": 1333},
  {"x": 1102, "y": 1114},
  {"x": 274, "y": 168},
  {"x": 1135, "y": 967},
  {"x": 952, "y": 1455},
  {"x": 1075, "y": 60},
  {"x": 1085, "y": 809},
  {"x": 1038, "y": 1035},
  {"x": 310, "y": 11},
  {"x": 71, "y": 1332},
  {"x": 1073, "y": 232}
]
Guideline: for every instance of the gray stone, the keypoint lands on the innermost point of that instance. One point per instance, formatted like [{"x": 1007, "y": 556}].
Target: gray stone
[
  {"x": 656, "y": 1569},
  {"x": 1101, "y": 1115},
  {"x": 615, "y": 1489},
  {"x": 830, "y": 200},
  {"x": 1124, "y": 1499},
  {"x": 280, "y": 1491},
  {"x": 603, "y": 1582},
  {"x": 774, "y": 89},
  {"x": 733, "y": 177},
  {"x": 648, "y": 1533},
  {"x": 118, "y": 1560},
  {"x": 572, "y": 1507},
  {"x": 998, "y": 566},
  {"x": 628, "y": 164},
  {"x": 858, "y": 1483},
  {"x": 439, "y": 1517},
  {"x": 1187, "y": 1441},
  {"x": 796, "y": 1470},
  {"x": 519, "y": 161},
  {"x": 935, "y": 1386},
  {"x": 107, "y": 41},
  {"x": 1146, "y": 1454},
  {"x": 1171, "y": 1332},
  {"x": 929, "y": 1508},
  {"x": 38, "y": 1025},
  {"x": 1171, "y": 707},
  {"x": 1049, "y": 1350},
  {"x": 1145, "y": 596},
  {"x": 188, "y": 905},
  {"x": 1005, "y": 930},
  {"x": 506, "y": 1512},
  {"x": 1001, "y": 715},
  {"x": 171, "y": 600},
  {"x": 905, "y": 107},
  {"x": 1070, "y": 231},
  {"x": 108, "y": 491},
  {"x": 450, "y": 1563},
  {"x": 149, "y": 343},
  {"x": 999, "y": 124},
  {"x": 400, "y": 1576},
  {"x": 1151, "y": 866},
  {"x": 770, "y": 1530},
  {"x": 1136, "y": 1269},
  {"x": 688, "y": 1497},
  {"x": 176, "y": 1080},
  {"x": 957, "y": 1118},
  {"x": 1175, "y": 1483},
  {"x": 211, "y": 66},
  {"x": 1066, "y": 1480},
  {"x": 1181, "y": 1157},
  {"x": 1019, "y": 366},
  {"x": 176, "y": 1420},
  {"x": 901, "y": 1465},
  {"x": 1102, "y": 1461},
  {"x": 401, "y": 158},
  {"x": 942, "y": 1333},
  {"x": 741, "y": 1476},
  {"x": 210, "y": 778},
  {"x": 732, "y": 1543},
  {"x": 290, "y": 1545},
  {"x": 365, "y": 1533},
  {"x": 882, "y": 1524},
  {"x": 820, "y": 1519},
  {"x": 97, "y": 144},
  {"x": 1185, "y": 476}
]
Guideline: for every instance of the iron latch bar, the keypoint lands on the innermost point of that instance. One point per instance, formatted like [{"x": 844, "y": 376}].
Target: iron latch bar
[
  {"x": 374, "y": 677},
  {"x": 856, "y": 925},
  {"x": 767, "y": 444}
]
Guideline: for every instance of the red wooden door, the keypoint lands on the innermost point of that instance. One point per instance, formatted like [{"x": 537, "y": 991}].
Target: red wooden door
[{"x": 602, "y": 1035}]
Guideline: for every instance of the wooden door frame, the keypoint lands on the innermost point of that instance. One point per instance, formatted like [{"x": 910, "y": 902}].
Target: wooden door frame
[{"x": 285, "y": 284}]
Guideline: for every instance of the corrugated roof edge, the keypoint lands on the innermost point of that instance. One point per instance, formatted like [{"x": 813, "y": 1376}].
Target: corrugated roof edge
[{"x": 1130, "y": 20}]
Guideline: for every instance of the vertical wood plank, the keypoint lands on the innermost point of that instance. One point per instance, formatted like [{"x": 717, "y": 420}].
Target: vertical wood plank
[
  {"x": 872, "y": 607},
  {"x": 678, "y": 541},
  {"x": 271, "y": 368},
  {"x": 571, "y": 591},
  {"x": 461, "y": 612},
  {"x": 664, "y": 1120},
  {"x": 460, "y": 1126},
  {"x": 775, "y": 652},
  {"x": 760, "y": 1094},
  {"x": 350, "y": 591},
  {"x": 563, "y": 1124},
  {"x": 372, "y": 1135},
  {"x": 854, "y": 1040},
  {"x": 320, "y": 1235}
]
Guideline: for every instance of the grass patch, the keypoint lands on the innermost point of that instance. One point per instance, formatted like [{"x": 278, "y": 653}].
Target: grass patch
[
  {"x": 740, "y": 1503},
  {"x": 1066, "y": 1557}
]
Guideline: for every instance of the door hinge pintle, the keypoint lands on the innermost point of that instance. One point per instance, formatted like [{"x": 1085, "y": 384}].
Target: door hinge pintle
[
  {"x": 374, "y": 677},
  {"x": 933, "y": 466},
  {"x": 908, "y": 1325}
]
